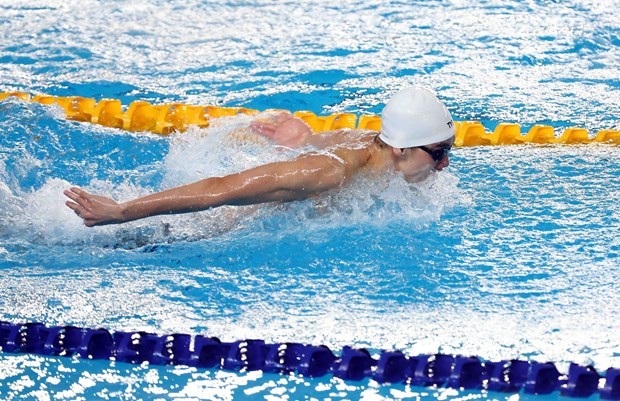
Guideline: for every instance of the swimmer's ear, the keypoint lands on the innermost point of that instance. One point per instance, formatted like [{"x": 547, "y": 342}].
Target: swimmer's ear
[{"x": 398, "y": 152}]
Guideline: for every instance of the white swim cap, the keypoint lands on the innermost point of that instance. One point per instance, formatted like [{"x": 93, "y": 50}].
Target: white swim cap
[{"x": 415, "y": 117}]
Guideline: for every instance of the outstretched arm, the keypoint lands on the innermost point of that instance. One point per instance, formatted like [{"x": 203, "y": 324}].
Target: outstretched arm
[{"x": 281, "y": 181}]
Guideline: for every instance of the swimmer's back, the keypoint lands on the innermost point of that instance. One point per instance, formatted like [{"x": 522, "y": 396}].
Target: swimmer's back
[{"x": 351, "y": 138}]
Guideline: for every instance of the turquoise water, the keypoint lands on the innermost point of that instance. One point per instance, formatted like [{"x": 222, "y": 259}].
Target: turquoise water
[{"x": 512, "y": 252}]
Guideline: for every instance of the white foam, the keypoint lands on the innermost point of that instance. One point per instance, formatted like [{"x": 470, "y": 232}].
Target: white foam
[
  {"x": 47, "y": 217},
  {"x": 212, "y": 151},
  {"x": 9, "y": 203}
]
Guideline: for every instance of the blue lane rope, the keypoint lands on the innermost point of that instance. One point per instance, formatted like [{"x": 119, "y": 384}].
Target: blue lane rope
[{"x": 454, "y": 371}]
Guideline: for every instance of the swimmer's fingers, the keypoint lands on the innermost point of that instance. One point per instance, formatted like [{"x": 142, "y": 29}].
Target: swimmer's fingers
[
  {"x": 79, "y": 196},
  {"x": 78, "y": 209},
  {"x": 93, "y": 209},
  {"x": 75, "y": 207},
  {"x": 264, "y": 128},
  {"x": 81, "y": 205},
  {"x": 80, "y": 192},
  {"x": 281, "y": 117},
  {"x": 260, "y": 125},
  {"x": 268, "y": 123},
  {"x": 274, "y": 117}
]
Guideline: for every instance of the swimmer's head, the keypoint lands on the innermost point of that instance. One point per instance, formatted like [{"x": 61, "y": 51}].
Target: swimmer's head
[{"x": 415, "y": 117}]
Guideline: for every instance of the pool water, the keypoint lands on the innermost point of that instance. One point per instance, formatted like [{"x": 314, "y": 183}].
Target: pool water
[{"x": 511, "y": 252}]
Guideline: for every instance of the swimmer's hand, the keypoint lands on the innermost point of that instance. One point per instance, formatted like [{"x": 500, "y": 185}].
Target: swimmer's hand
[
  {"x": 95, "y": 210},
  {"x": 282, "y": 128}
]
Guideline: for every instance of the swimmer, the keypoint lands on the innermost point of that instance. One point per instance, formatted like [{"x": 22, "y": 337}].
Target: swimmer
[{"x": 416, "y": 136}]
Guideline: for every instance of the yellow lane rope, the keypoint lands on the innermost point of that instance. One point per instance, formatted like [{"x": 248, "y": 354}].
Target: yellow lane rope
[{"x": 167, "y": 118}]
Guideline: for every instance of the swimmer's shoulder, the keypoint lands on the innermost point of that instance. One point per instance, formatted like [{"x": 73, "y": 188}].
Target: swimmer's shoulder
[
  {"x": 352, "y": 136},
  {"x": 355, "y": 151}
]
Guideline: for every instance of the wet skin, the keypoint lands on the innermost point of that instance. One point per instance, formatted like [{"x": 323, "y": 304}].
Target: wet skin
[{"x": 341, "y": 155}]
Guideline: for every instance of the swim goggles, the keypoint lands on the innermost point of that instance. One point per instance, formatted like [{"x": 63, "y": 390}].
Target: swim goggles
[{"x": 437, "y": 154}]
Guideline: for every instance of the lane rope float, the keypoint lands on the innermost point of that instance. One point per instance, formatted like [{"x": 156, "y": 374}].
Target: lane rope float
[
  {"x": 440, "y": 370},
  {"x": 177, "y": 117}
]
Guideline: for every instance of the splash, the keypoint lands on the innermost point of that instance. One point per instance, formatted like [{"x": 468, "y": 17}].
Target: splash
[{"x": 40, "y": 215}]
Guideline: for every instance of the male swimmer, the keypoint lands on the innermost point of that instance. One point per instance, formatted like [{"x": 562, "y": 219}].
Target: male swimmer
[{"x": 416, "y": 136}]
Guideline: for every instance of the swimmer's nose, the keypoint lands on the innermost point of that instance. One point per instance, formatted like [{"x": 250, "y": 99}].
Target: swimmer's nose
[{"x": 443, "y": 163}]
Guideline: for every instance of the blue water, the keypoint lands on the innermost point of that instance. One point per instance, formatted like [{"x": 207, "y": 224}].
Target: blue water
[{"x": 512, "y": 252}]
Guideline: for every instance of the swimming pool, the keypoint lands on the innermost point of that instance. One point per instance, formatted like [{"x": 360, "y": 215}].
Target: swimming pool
[{"x": 510, "y": 253}]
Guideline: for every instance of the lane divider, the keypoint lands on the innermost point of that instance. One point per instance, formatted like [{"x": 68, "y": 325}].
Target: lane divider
[
  {"x": 441, "y": 370},
  {"x": 177, "y": 117}
]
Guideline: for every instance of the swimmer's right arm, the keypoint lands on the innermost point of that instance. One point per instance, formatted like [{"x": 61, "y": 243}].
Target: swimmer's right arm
[{"x": 281, "y": 181}]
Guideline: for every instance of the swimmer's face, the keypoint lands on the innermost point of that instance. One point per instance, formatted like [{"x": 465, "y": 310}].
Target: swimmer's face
[{"x": 417, "y": 163}]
